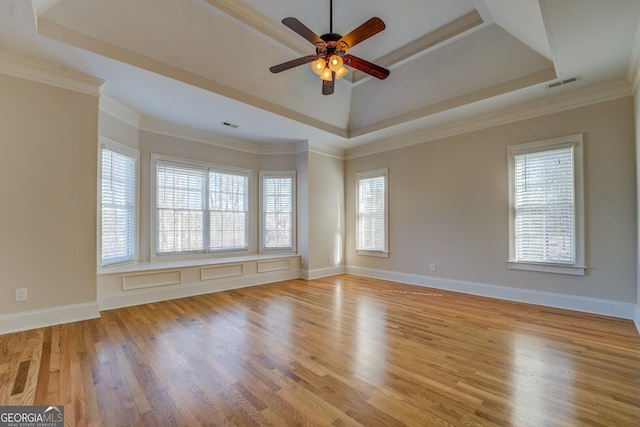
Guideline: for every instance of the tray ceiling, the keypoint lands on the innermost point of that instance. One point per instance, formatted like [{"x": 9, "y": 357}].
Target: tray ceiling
[{"x": 199, "y": 63}]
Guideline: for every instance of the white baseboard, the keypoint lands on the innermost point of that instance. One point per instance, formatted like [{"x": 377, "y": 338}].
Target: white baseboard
[
  {"x": 148, "y": 295},
  {"x": 33, "y": 319},
  {"x": 550, "y": 299},
  {"x": 322, "y": 272},
  {"x": 27, "y": 320}
]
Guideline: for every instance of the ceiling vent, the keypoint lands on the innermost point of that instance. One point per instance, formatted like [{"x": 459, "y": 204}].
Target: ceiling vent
[
  {"x": 231, "y": 125},
  {"x": 562, "y": 82}
]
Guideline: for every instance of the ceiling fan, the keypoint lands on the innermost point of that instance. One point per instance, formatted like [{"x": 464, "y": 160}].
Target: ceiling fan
[{"x": 331, "y": 57}]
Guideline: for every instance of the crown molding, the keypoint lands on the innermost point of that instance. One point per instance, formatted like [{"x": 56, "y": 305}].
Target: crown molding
[
  {"x": 460, "y": 101},
  {"x": 184, "y": 132},
  {"x": 438, "y": 37},
  {"x": 250, "y": 17},
  {"x": 119, "y": 111},
  {"x": 135, "y": 119},
  {"x": 325, "y": 150},
  {"x": 633, "y": 72},
  {"x": 277, "y": 149},
  {"x": 309, "y": 146},
  {"x": 302, "y": 147},
  {"x": 540, "y": 107},
  {"x": 41, "y": 72},
  {"x": 71, "y": 37}
]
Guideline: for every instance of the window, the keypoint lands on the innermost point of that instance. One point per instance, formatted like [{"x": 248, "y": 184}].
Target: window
[
  {"x": 200, "y": 208},
  {"x": 118, "y": 203},
  {"x": 372, "y": 217},
  {"x": 278, "y": 210},
  {"x": 180, "y": 197},
  {"x": 228, "y": 214},
  {"x": 546, "y": 213}
]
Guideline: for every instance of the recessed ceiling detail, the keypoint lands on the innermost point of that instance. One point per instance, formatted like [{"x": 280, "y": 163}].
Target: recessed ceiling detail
[
  {"x": 184, "y": 61},
  {"x": 424, "y": 43}
]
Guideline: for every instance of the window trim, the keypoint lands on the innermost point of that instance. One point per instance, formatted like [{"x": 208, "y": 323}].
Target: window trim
[
  {"x": 576, "y": 143},
  {"x": 384, "y": 172},
  {"x": 205, "y": 253},
  {"x": 111, "y": 145},
  {"x": 278, "y": 174}
]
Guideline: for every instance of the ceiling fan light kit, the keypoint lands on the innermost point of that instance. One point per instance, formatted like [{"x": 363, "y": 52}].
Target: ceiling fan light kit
[
  {"x": 327, "y": 75},
  {"x": 318, "y": 65},
  {"x": 330, "y": 58}
]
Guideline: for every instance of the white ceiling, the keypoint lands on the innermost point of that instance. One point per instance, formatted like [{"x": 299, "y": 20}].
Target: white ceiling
[{"x": 199, "y": 63}]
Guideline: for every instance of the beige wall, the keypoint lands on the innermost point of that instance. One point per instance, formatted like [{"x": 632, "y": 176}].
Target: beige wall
[
  {"x": 48, "y": 178},
  {"x": 276, "y": 162},
  {"x": 302, "y": 211},
  {"x": 320, "y": 214},
  {"x": 449, "y": 204},
  {"x": 448, "y": 199},
  {"x": 326, "y": 212}
]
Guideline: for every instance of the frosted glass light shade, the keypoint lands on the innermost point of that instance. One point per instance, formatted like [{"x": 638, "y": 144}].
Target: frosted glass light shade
[
  {"x": 335, "y": 63},
  {"x": 341, "y": 72},
  {"x": 318, "y": 66},
  {"x": 326, "y": 74}
]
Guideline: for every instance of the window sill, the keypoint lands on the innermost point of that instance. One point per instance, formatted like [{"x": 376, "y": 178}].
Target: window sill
[
  {"x": 548, "y": 268},
  {"x": 379, "y": 254},
  {"x": 118, "y": 266},
  {"x": 160, "y": 265}
]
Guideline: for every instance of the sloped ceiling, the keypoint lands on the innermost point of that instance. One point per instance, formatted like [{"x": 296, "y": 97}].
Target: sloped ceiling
[{"x": 199, "y": 63}]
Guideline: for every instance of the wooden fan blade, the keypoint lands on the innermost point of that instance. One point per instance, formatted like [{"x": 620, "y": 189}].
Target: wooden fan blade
[
  {"x": 371, "y": 27},
  {"x": 365, "y": 66},
  {"x": 328, "y": 86},
  {"x": 294, "y": 63},
  {"x": 302, "y": 30}
]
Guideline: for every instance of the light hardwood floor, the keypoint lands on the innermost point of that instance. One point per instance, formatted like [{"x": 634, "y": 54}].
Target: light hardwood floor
[{"x": 337, "y": 351}]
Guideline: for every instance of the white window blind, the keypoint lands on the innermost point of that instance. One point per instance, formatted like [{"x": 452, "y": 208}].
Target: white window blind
[
  {"x": 278, "y": 211},
  {"x": 199, "y": 208},
  {"x": 118, "y": 207},
  {"x": 372, "y": 215},
  {"x": 546, "y": 216},
  {"x": 544, "y": 204},
  {"x": 180, "y": 200},
  {"x": 228, "y": 214}
]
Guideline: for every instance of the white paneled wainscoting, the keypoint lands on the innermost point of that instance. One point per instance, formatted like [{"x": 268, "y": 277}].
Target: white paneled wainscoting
[
  {"x": 147, "y": 283},
  {"x": 158, "y": 282}
]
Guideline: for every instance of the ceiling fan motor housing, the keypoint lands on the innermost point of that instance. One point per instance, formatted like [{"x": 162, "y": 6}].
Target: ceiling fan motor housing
[{"x": 331, "y": 45}]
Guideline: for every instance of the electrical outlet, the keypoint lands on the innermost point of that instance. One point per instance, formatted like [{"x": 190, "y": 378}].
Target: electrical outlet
[
  {"x": 432, "y": 266},
  {"x": 21, "y": 294}
]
